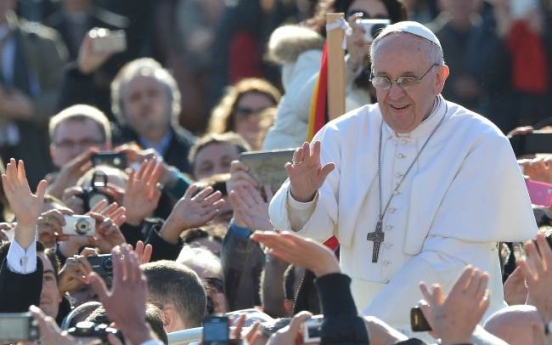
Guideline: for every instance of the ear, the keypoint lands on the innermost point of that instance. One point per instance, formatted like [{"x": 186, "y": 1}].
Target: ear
[
  {"x": 442, "y": 75},
  {"x": 171, "y": 319}
]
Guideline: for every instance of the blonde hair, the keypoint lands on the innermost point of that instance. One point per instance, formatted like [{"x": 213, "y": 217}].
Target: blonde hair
[{"x": 81, "y": 112}]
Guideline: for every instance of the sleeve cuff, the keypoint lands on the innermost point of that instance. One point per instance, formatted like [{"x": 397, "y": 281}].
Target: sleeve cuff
[
  {"x": 301, "y": 206},
  {"x": 22, "y": 261},
  {"x": 239, "y": 231}
]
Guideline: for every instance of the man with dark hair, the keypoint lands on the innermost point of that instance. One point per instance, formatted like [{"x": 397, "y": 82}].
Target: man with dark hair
[{"x": 178, "y": 292}]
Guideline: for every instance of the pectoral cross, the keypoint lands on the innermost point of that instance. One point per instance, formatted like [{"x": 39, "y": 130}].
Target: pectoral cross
[{"x": 377, "y": 237}]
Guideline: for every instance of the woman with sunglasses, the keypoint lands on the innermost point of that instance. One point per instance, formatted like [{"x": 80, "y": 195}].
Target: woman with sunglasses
[{"x": 298, "y": 49}]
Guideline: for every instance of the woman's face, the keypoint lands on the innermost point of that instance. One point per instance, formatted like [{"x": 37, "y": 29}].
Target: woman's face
[
  {"x": 247, "y": 117},
  {"x": 214, "y": 159}
]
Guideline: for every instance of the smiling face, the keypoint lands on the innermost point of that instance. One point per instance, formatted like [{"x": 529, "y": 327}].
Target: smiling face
[
  {"x": 406, "y": 55},
  {"x": 214, "y": 159}
]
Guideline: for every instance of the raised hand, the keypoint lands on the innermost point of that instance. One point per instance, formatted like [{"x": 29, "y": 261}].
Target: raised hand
[
  {"x": 71, "y": 172},
  {"x": 143, "y": 251},
  {"x": 249, "y": 207},
  {"x": 125, "y": 303},
  {"x": 239, "y": 176},
  {"x": 537, "y": 270},
  {"x": 306, "y": 174},
  {"x": 299, "y": 251},
  {"x": 114, "y": 212},
  {"x": 453, "y": 318},
  {"x": 191, "y": 211},
  {"x": 89, "y": 60},
  {"x": 142, "y": 195},
  {"x": 25, "y": 205}
]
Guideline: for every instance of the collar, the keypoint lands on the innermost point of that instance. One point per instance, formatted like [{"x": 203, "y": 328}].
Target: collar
[
  {"x": 424, "y": 128},
  {"x": 160, "y": 147}
]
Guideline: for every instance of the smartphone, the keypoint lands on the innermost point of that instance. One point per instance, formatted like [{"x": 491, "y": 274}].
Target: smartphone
[
  {"x": 215, "y": 330},
  {"x": 107, "y": 41},
  {"x": 18, "y": 327},
  {"x": 540, "y": 193},
  {"x": 267, "y": 167},
  {"x": 536, "y": 142},
  {"x": 418, "y": 322},
  {"x": 114, "y": 159}
]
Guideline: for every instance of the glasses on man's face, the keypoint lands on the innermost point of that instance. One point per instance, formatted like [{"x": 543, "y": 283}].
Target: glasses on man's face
[
  {"x": 85, "y": 143},
  {"x": 404, "y": 83}
]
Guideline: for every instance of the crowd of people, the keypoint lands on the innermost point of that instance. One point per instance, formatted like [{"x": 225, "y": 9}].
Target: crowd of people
[{"x": 124, "y": 202}]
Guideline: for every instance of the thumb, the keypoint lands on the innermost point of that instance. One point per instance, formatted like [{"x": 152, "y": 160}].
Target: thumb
[
  {"x": 297, "y": 321},
  {"x": 98, "y": 285}
]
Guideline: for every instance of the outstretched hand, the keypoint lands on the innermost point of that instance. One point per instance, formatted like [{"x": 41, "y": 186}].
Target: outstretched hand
[
  {"x": 299, "y": 251},
  {"x": 306, "y": 174},
  {"x": 453, "y": 318},
  {"x": 25, "y": 205}
]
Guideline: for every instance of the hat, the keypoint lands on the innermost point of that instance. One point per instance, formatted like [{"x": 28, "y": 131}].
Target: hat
[{"x": 413, "y": 28}]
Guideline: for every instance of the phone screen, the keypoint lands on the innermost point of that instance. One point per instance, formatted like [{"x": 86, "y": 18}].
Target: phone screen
[{"x": 215, "y": 330}]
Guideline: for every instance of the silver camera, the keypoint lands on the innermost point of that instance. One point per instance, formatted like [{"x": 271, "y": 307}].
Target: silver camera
[
  {"x": 312, "y": 329},
  {"x": 372, "y": 27},
  {"x": 17, "y": 326},
  {"x": 79, "y": 225}
]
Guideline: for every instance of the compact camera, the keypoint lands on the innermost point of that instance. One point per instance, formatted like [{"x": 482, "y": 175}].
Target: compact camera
[
  {"x": 110, "y": 158},
  {"x": 92, "y": 195},
  {"x": 79, "y": 225},
  {"x": 17, "y": 327},
  {"x": 102, "y": 264},
  {"x": 312, "y": 329},
  {"x": 85, "y": 329},
  {"x": 372, "y": 27}
]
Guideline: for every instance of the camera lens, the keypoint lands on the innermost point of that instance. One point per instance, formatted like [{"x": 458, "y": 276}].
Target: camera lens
[
  {"x": 376, "y": 29},
  {"x": 108, "y": 264},
  {"x": 82, "y": 227}
]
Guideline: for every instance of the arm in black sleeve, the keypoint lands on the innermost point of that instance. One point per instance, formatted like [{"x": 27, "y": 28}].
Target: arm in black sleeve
[
  {"x": 19, "y": 291},
  {"x": 132, "y": 233},
  {"x": 342, "y": 325},
  {"x": 162, "y": 250},
  {"x": 242, "y": 264}
]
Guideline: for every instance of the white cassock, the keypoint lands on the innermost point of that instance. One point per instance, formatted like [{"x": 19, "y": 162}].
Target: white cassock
[{"x": 464, "y": 193}]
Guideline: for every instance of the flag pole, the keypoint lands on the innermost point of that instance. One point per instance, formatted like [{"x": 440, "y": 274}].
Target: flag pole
[{"x": 336, "y": 67}]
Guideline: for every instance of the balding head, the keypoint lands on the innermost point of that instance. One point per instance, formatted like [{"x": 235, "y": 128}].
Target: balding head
[{"x": 517, "y": 325}]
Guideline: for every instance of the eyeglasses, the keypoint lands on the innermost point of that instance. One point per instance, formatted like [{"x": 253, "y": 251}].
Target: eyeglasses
[
  {"x": 85, "y": 143},
  {"x": 404, "y": 83}
]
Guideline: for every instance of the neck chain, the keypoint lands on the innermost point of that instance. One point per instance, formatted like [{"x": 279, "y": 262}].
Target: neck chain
[{"x": 382, "y": 212}]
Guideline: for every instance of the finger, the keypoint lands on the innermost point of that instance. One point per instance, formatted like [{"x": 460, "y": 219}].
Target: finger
[
  {"x": 211, "y": 199},
  {"x": 203, "y": 194},
  {"x": 482, "y": 286},
  {"x": 237, "y": 165},
  {"x": 426, "y": 293},
  {"x": 544, "y": 250},
  {"x": 98, "y": 285},
  {"x": 118, "y": 270},
  {"x": 190, "y": 192},
  {"x": 251, "y": 336},
  {"x": 238, "y": 327},
  {"x": 146, "y": 256},
  {"x": 438, "y": 294},
  {"x": 99, "y": 207},
  {"x": 297, "y": 322},
  {"x": 41, "y": 190},
  {"x": 473, "y": 285}
]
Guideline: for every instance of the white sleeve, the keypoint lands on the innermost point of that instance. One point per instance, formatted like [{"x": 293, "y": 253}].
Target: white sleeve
[
  {"x": 300, "y": 212},
  {"x": 21, "y": 260}
]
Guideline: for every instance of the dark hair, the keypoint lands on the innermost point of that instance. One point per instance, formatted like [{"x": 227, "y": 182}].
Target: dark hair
[
  {"x": 396, "y": 9},
  {"x": 171, "y": 282},
  {"x": 153, "y": 318}
]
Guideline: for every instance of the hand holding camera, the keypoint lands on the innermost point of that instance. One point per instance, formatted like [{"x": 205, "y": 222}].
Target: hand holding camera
[
  {"x": 73, "y": 274},
  {"x": 107, "y": 235},
  {"x": 50, "y": 227},
  {"x": 97, "y": 47}
]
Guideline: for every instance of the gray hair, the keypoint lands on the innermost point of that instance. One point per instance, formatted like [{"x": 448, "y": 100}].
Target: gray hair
[{"x": 145, "y": 67}]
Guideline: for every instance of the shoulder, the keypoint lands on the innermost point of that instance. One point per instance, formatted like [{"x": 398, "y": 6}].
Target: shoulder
[
  {"x": 287, "y": 42},
  {"x": 183, "y": 136},
  {"x": 356, "y": 118},
  {"x": 38, "y": 32}
]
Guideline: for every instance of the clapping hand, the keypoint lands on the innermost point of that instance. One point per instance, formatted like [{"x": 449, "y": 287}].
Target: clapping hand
[
  {"x": 453, "y": 318},
  {"x": 191, "y": 211},
  {"x": 306, "y": 174},
  {"x": 250, "y": 209},
  {"x": 537, "y": 270},
  {"x": 142, "y": 195}
]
